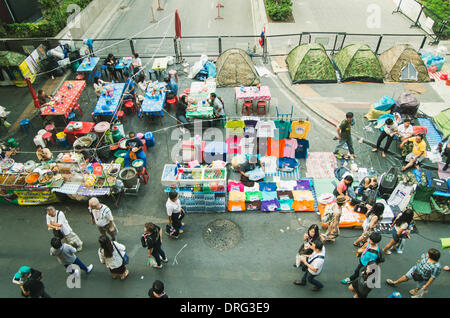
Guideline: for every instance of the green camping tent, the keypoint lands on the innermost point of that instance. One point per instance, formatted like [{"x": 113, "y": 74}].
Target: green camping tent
[
  {"x": 309, "y": 63},
  {"x": 357, "y": 62},
  {"x": 235, "y": 68},
  {"x": 402, "y": 63},
  {"x": 442, "y": 122}
]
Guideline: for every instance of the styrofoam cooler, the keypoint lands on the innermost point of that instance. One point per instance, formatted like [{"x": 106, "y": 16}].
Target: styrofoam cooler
[
  {"x": 149, "y": 139},
  {"x": 191, "y": 151},
  {"x": 39, "y": 141}
]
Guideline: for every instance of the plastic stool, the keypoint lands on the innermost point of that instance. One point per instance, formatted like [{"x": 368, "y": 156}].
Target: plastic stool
[
  {"x": 173, "y": 73},
  {"x": 48, "y": 137},
  {"x": 25, "y": 124},
  {"x": 143, "y": 176},
  {"x": 72, "y": 117},
  {"x": 77, "y": 107},
  {"x": 50, "y": 128},
  {"x": 261, "y": 105},
  {"x": 173, "y": 102},
  {"x": 247, "y": 107},
  {"x": 80, "y": 77},
  {"x": 130, "y": 105},
  {"x": 121, "y": 115}
]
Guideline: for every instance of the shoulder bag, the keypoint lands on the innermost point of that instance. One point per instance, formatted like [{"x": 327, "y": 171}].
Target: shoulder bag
[
  {"x": 125, "y": 257},
  {"x": 58, "y": 233}
]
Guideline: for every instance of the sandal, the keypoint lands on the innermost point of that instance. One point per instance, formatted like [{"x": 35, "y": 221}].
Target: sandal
[
  {"x": 388, "y": 252},
  {"x": 413, "y": 291},
  {"x": 125, "y": 275},
  {"x": 390, "y": 282}
]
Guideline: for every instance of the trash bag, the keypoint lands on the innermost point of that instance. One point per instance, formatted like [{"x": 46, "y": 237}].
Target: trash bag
[
  {"x": 384, "y": 104},
  {"x": 211, "y": 68}
]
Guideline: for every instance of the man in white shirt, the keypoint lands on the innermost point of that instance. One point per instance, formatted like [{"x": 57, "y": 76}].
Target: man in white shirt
[
  {"x": 175, "y": 213},
  {"x": 390, "y": 130},
  {"x": 217, "y": 105},
  {"x": 312, "y": 266},
  {"x": 102, "y": 217},
  {"x": 405, "y": 130},
  {"x": 56, "y": 221}
]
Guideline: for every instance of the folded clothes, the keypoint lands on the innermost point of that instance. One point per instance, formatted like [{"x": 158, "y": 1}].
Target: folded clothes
[
  {"x": 270, "y": 206},
  {"x": 236, "y": 196},
  {"x": 286, "y": 205},
  {"x": 285, "y": 195},
  {"x": 253, "y": 206},
  {"x": 267, "y": 186},
  {"x": 253, "y": 196},
  {"x": 303, "y": 185},
  {"x": 269, "y": 196},
  {"x": 300, "y": 195},
  {"x": 236, "y": 206}
]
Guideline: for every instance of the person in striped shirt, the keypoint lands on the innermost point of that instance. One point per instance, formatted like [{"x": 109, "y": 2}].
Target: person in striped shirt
[{"x": 425, "y": 272}]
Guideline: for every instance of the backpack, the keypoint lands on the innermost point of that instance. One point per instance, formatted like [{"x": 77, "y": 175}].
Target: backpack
[{"x": 380, "y": 255}]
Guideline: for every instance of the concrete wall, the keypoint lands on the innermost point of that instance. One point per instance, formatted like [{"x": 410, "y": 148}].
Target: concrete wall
[{"x": 86, "y": 18}]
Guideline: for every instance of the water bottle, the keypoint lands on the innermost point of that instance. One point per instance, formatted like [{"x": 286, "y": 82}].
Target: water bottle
[
  {"x": 203, "y": 102},
  {"x": 372, "y": 171}
]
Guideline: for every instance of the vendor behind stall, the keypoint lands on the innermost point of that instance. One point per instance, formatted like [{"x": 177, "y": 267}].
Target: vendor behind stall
[
  {"x": 135, "y": 151},
  {"x": 43, "y": 154},
  {"x": 249, "y": 165},
  {"x": 43, "y": 97},
  {"x": 88, "y": 154}
]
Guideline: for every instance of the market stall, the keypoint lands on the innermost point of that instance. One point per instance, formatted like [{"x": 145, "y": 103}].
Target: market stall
[
  {"x": 154, "y": 100},
  {"x": 200, "y": 189},
  {"x": 75, "y": 130},
  {"x": 109, "y": 101},
  {"x": 88, "y": 66},
  {"x": 252, "y": 94},
  {"x": 64, "y": 101}
]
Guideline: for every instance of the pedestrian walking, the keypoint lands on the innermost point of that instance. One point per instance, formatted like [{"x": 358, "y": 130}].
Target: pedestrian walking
[
  {"x": 157, "y": 290},
  {"x": 312, "y": 266},
  {"x": 360, "y": 287},
  {"x": 112, "y": 254},
  {"x": 34, "y": 288},
  {"x": 345, "y": 135},
  {"x": 370, "y": 252},
  {"x": 102, "y": 217},
  {"x": 400, "y": 231},
  {"x": 306, "y": 248},
  {"x": 373, "y": 219},
  {"x": 152, "y": 239},
  {"x": 175, "y": 213},
  {"x": 24, "y": 274},
  {"x": 424, "y": 273},
  {"x": 57, "y": 222},
  {"x": 66, "y": 255},
  {"x": 332, "y": 217}
]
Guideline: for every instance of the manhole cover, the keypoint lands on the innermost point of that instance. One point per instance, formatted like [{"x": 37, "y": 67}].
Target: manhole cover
[{"x": 222, "y": 234}]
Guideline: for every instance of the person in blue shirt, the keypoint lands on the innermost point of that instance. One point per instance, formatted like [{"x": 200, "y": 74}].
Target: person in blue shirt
[
  {"x": 129, "y": 85},
  {"x": 135, "y": 150},
  {"x": 172, "y": 88},
  {"x": 370, "y": 252}
]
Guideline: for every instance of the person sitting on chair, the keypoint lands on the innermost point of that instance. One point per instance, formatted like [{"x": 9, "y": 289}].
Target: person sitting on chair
[
  {"x": 135, "y": 150},
  {"x": 43, "y": 97},
  {"x": 217, "y": 105},
  {"x": 111, "y": 63},
  {"x": 172, "y": 88}
]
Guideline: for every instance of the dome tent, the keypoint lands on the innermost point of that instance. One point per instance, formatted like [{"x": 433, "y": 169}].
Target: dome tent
[
  {"x": 402, "y": 63},
  {"x": 309, "y": 63},
  {"x": 357, "y": 62},
  {"x": 235, "y": 68}
]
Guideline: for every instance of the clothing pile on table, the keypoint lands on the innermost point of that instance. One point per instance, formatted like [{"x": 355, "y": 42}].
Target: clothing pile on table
[
  {"x": 286, "y": 196},
  {"x": 281, "y": 139}
]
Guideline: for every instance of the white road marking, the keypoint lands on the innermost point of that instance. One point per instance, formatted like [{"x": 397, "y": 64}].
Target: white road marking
[
  {"x": 175, "y": 258},
  {"x": 134, "y": 250}
]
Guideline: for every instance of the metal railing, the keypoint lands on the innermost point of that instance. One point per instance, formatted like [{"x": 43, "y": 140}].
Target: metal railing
[
  {"x": 195, "y": 46},
  {"x": 424, "y": 18}
]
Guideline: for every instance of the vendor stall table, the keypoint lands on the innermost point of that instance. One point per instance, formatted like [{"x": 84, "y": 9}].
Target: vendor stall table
[
  {"x": 105, "y": 108},
  {"x": 89, "y": 68},
  {"x": 75, "y": 134},
  {"x": 201, "y": 90},
  {"x": 124, "y": 63},
  {"x": 201, "y": 112},
  {"x": 153, "y": 105},
  {"x": 253, "y": 94},
  {"x": 65, "y": 99}
]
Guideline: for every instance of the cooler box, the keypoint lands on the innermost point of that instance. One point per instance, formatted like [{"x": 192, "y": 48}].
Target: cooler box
[{"x": 215, "y": 150}]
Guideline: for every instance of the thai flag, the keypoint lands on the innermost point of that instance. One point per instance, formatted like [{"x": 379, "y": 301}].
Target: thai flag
[{"x": 261, "y": 40}]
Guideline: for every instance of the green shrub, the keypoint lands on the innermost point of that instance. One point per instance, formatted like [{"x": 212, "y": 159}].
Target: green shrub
[
  {"x": 440, "y": 10},
  {"x": 279, "y": 10},
  {"x": 54, "y": 20}
]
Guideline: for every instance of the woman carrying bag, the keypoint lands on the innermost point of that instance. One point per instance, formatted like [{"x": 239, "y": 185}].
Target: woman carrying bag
[
  {"x": 306, "y": 248},
  {"x": 400, "y": 230},
  {"x": 114, "y": 256}
]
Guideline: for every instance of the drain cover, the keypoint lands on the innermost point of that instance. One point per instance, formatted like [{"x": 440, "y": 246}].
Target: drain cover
[{"x": 222, "y": 234}]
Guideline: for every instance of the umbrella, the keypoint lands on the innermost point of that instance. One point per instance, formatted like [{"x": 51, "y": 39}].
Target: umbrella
[
  {"x": 8, "y": 59},
  {"x": 177, "y": 25},
  {"x": 33, "y": 94}
]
